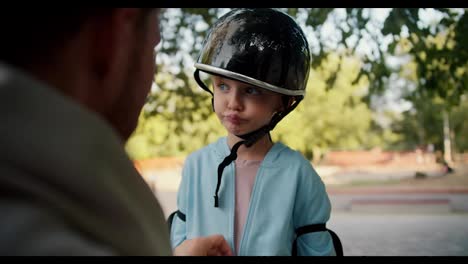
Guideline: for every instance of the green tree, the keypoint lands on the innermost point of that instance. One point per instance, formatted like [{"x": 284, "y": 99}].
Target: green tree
[
  {"x": 421, "y": 125},
  {"x": 459, "y": 117},
  {"x": 435, "y": 56},
  {"x": 330, "y": 117},
  {"x": 173, "y": 124}
]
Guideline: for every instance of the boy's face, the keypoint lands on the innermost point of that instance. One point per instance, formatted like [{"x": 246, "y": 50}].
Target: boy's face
[{"x": 243, "y": 108}]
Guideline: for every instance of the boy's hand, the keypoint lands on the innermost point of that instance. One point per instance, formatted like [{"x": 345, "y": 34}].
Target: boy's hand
[{"x": 214, "y": 245}]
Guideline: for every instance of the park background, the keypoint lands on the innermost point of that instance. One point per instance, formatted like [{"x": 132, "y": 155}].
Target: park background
[{"x": 383, "y": 121}]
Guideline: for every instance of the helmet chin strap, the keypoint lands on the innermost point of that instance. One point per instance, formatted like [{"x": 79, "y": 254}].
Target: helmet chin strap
[
  {"x": 196, "y": 75},
  {"x": 248, "y": 140}
]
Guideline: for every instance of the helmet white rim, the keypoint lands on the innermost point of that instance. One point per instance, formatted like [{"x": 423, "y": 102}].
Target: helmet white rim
[{"x": 247, "y": 79}]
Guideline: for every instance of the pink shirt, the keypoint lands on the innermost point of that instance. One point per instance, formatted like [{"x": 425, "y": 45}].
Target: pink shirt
[{"x": 245, "y": 179}]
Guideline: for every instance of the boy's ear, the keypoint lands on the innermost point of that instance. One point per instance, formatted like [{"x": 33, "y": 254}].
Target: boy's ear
[
  {"x": 287, "y": 102},
  {"x": 291, "y": 101}
]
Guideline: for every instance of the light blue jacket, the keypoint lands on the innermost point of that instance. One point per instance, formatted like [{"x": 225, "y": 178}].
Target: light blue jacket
[{"x": 287, "y": 194}]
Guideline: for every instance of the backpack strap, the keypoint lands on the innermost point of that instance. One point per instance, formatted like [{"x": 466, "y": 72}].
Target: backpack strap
[
  {"x": 318, "y": 228},
  {"x": 171, "y": 217}
]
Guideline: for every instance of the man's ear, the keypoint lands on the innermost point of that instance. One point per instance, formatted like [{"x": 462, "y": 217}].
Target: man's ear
[{"x": 112, "y": 37}]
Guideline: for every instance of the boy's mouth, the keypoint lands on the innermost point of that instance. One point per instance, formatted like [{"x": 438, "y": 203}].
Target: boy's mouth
[{"x": 234, "y": 119}]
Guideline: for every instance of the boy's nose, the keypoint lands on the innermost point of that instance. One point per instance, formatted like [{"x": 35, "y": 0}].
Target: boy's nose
[{"x": 235, "y": 100}]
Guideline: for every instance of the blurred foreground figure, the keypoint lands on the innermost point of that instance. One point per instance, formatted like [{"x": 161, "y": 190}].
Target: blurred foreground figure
[{"x": 72, "y": 84}]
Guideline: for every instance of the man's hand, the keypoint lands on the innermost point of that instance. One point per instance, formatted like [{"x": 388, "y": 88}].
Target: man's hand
[{"x": 214, "y": 245}]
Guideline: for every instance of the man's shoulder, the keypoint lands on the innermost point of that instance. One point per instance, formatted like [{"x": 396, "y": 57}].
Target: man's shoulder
[{"x": 27, "y": 228}]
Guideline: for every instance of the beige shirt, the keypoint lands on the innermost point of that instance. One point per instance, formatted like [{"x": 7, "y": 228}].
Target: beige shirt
[
  {"x": 246, "y": 170},
  {"x": 67, "y": 186}
]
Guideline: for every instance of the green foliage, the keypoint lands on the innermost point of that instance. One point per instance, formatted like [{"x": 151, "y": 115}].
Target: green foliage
[
  {"x": 174, "y": 124},
  {"x": 459, "y": 117},
  {"x": 335, "y": 113},
  {"x": 423, "y": 125},
  {"x": 438, "y": 50},
  {"x": 335, "y": 118}
]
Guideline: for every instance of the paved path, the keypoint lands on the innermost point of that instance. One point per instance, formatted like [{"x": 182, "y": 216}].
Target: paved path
[
  {"x": 382, "y": 221},
  {"x": 385, "y": 232},
  {"x": 402, "y": 234},
  {"x": 403, "y": 200}
]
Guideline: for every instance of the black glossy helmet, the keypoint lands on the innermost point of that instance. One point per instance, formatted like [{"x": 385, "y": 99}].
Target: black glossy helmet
[
  {"x": 259, "y": 46},
  {"x": 262, "y": 47}
]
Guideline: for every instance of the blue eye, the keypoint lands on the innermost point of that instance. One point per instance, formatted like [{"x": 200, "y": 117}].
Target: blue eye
[
  {"x": 253, "y": 91},
  {"x": 223, "y": 87}
]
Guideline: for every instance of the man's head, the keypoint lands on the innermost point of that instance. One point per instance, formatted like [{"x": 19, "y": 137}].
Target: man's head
[{"x": 101, "y": 58}]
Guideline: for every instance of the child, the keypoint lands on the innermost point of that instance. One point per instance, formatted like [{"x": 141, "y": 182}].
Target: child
[{"x": 259, "y": 63}]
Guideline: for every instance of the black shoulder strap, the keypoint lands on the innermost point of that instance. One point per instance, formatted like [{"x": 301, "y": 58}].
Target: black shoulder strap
[
  {"x": 310, "y": 228},
  {"x": 171, "y": 217},
  {"x": 336, "y": 243},
  {"x": 318, "y": 228}
]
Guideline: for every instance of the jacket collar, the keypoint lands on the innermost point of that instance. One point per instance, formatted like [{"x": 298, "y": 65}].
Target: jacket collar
[{"x": 221, "y": 148}]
